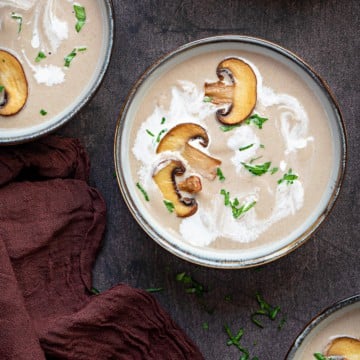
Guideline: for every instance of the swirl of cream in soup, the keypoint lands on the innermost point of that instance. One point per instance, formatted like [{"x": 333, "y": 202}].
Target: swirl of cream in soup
[
  {"x": 54, "y": 32},
  {"x": 213, "y": 220}
]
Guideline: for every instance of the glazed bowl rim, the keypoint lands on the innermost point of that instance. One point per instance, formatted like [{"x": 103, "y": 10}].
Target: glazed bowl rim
[{"x": 175, "y": 248}]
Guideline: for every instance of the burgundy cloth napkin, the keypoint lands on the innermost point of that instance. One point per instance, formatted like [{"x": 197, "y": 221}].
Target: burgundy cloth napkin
[{"x": 51, "y": 225}]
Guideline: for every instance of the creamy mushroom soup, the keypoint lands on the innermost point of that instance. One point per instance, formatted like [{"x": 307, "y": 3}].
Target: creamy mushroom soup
[
  {"x": 274, "y": 167},
  {"x": 58, "y": 43},
  {"x": 337, "y": 335}
]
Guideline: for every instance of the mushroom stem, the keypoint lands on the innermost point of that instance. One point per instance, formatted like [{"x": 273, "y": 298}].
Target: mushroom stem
[
  {"x": 192, "y": 184},
  {"x": 241, "y": 95},
  {"x": 219, "y": 92}
]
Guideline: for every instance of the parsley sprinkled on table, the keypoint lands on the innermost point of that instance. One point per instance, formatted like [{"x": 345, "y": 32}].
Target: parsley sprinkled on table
[{"x": 265, "y": 310}]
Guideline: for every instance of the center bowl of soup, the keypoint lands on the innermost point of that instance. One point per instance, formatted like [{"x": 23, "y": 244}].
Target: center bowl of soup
[{"x": 230, "y": 152}]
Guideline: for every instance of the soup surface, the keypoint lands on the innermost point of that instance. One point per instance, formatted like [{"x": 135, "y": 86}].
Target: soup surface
[
  {"x": 58, "y": 60},
  {"x": 290, "y": 148}
]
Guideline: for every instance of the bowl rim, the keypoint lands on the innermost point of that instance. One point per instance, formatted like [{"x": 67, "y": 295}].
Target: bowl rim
[
  {"x": 35, "y": 134},
  {"x": 319, "y": 318},
  {"x": 223, "y": 263}
]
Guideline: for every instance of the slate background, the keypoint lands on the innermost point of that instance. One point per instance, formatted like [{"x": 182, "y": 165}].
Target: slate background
[{"x": 326, "y": 269}]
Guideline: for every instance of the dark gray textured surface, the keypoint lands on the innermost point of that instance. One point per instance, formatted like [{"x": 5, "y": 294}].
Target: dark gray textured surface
[{"x": 326, "y": 269}]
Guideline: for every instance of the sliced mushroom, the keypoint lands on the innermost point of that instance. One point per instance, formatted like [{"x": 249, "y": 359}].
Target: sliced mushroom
[
  {"x": 14, "y": 84},
  {"x": 165, "y": 180},
  {"x": 191, "y": 184},
  {"x": 240, "y": 95},
  {"x": 177, "y": 139},
  {"x": 347, "y": 347}
]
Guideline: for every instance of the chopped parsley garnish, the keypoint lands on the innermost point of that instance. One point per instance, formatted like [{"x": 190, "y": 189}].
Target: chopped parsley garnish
[
  {"x": 274, "y": 170},
  {"x": 205, "y": 326},
  {"x": 19, "y": 20},
  {"x": 282, "y": 323},
  {"x": 289, "y": 177},
  {"x": 262, "y": 146},
  {"x": 154, "y": 290},
  {"x": 146, "y": 196},
  {"x": 150, "y": 133},
  {"x": 228, "y": 298},
  {"x": 226, "y": 197},
  {"x": 83, "y": 48},
  {"x": 95, "y": 291},
  {"x": 192, "y": 286},
  {"x": 254, "y": 159},
  {"x": 226, "y": 128},
  {"x": 265, "y": 310},
  {"x": 207, "y": 99},
  {"x": 69, "y": 58},
  {"x": 237, "y": 210},
  {"x": 80, "y": 15},
  {"x": 43, "y": 112},
  {"x": 319, "y": 356},
  {"x": 259, "y": 169},
  {"x": 158, "y": 138},
  {"x": 220, "y": 174},
  {"x": 169, "y": 205},
  {"x": 40, "y": 56},
  {"x": 246, "y": 147},
  {"x": 2, "y": 95},
  {"x": 163, "y": 121},
  {"x": 235, "y": 340},
  {"x": 256, "y": 120}
]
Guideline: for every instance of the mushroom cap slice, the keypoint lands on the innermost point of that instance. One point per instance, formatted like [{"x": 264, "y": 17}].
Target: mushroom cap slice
[
  {"x": 177, "y": 138},
  {"x": 347, "y": 347},
  {"x": 165, "y": 180},
  {"x": 241, "y": 95},
  {"x": 13, "y": 79}
]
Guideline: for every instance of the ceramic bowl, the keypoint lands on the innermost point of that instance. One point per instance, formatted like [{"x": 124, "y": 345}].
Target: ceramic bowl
[
  {"x": 49, "y": 123},
  {"x": 231, "y": 258},
  {"x": 341, "y": 319}
]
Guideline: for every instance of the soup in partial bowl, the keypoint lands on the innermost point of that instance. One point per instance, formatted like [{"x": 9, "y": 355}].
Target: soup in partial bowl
[
  {"x": 230, "y": 151},
  {"x": 332, "y": 335},
  {"x": 53, "y": 56}
]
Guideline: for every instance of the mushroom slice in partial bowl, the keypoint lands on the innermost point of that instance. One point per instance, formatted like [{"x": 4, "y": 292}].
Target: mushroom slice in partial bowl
[
  {"x": 13, "y": 84},
  {"x": 346, "y": 347}
]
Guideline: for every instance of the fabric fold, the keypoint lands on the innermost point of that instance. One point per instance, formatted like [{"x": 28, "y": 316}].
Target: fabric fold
[{"x": 51, "y": 226}]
